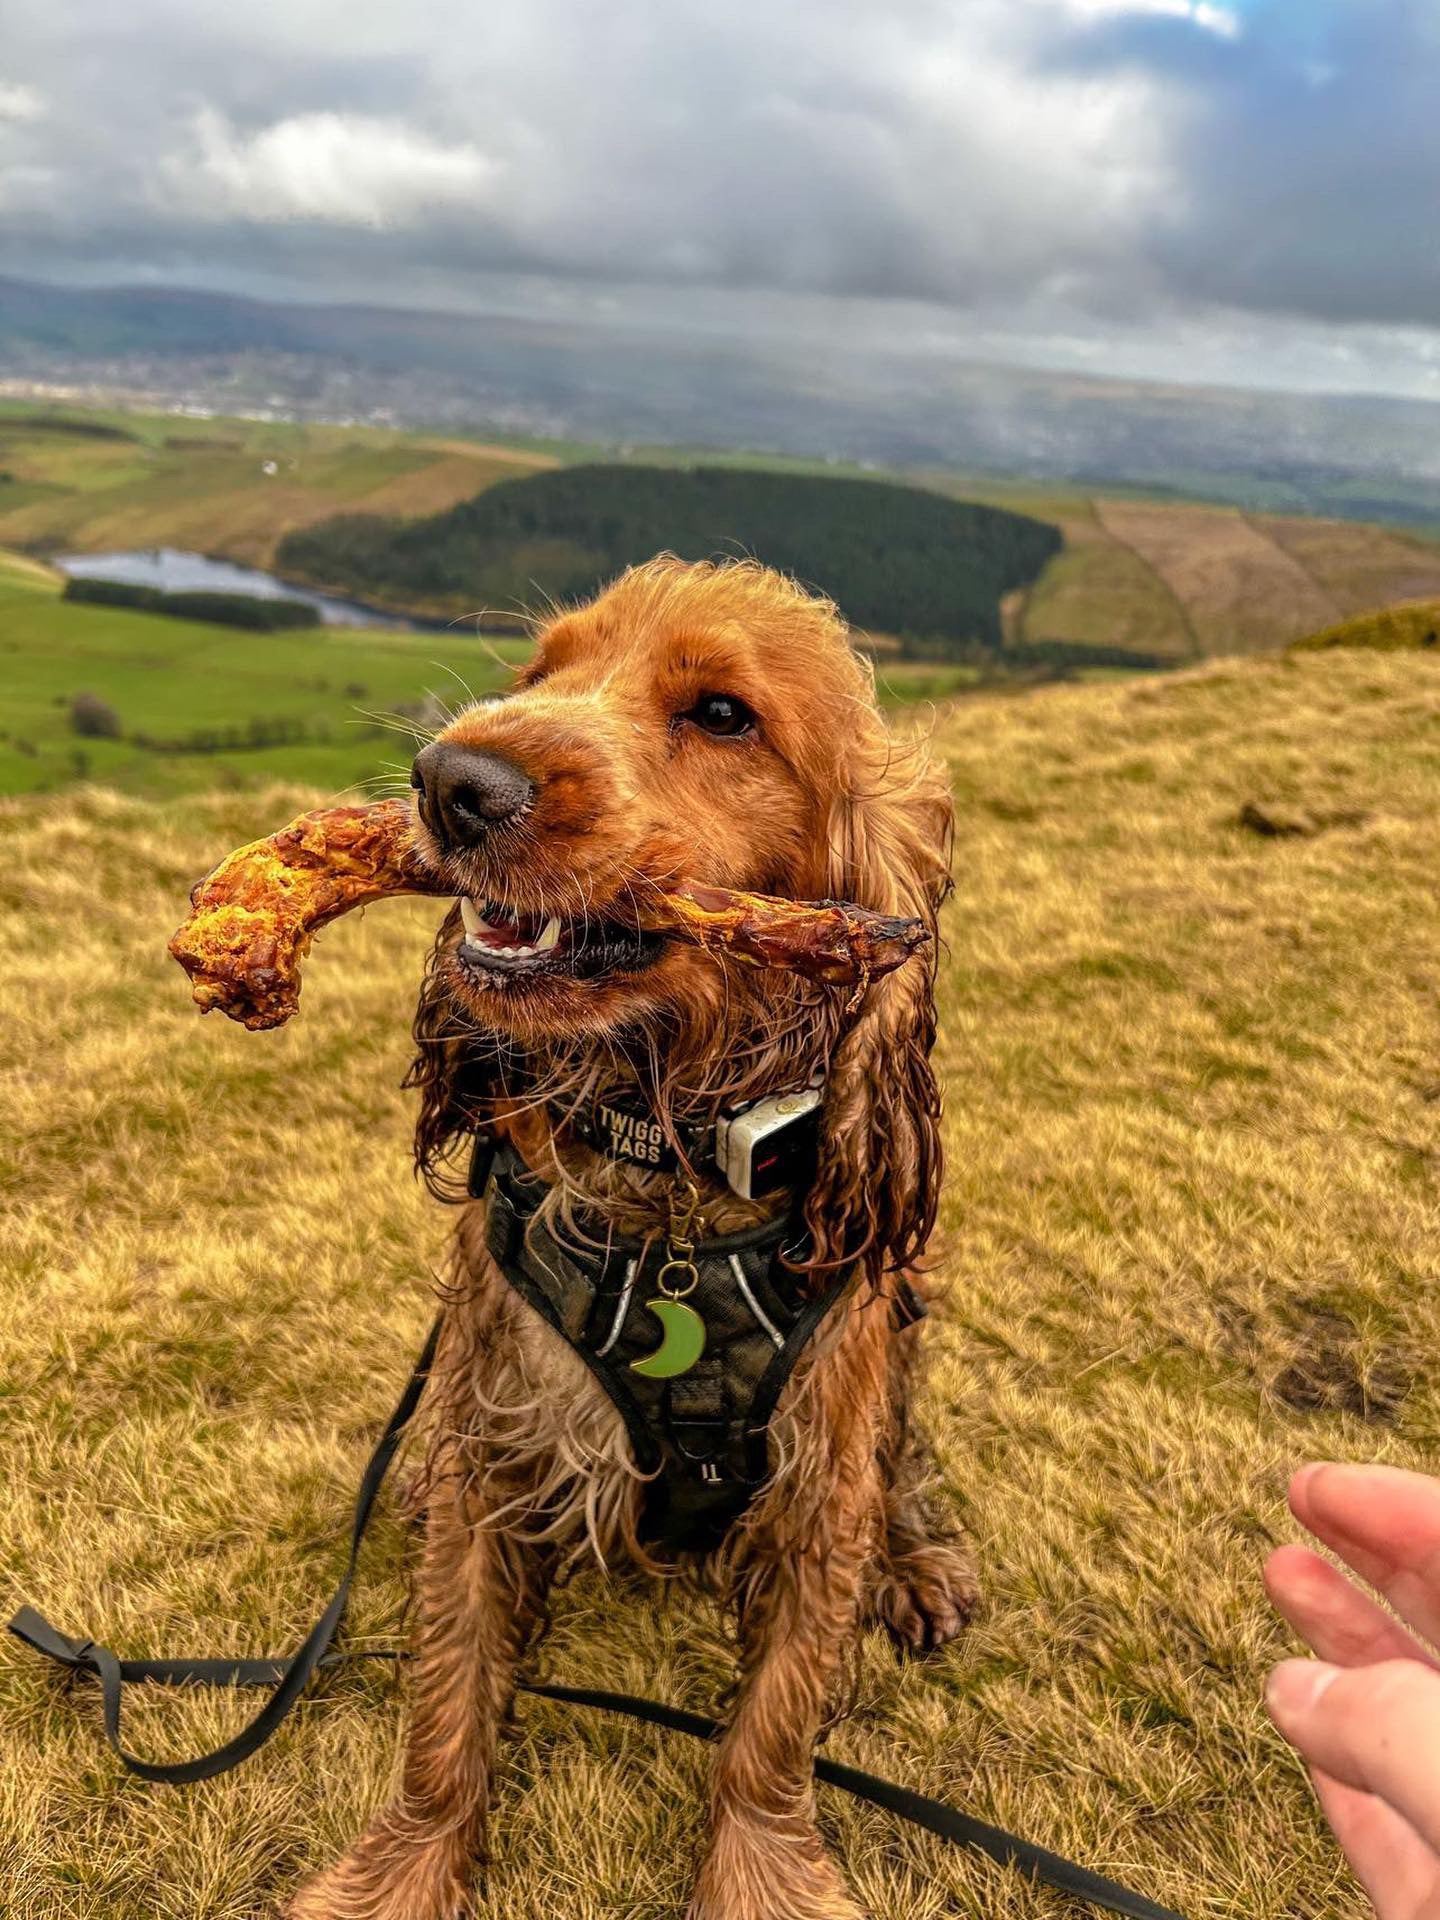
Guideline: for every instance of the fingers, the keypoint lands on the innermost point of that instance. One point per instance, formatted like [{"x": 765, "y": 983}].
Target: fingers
[
  {"x": 1383, "y": 1522},
  {"x": 1366, "y": 1715},
  {"x": 1376, "y": 1729},
  {"x": 1391, "y": 1861},
  {"x": 1328, "y": 1611}
]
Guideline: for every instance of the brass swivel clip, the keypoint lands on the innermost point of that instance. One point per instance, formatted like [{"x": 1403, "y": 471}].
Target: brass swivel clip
[{"x": 680, "y": 1275}]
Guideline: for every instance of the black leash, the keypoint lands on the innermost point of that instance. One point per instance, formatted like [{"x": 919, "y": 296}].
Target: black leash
[{"x": 287, "y": 1679}]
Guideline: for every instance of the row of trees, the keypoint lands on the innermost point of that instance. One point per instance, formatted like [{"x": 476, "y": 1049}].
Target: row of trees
[{"x": 246, "y": 610}]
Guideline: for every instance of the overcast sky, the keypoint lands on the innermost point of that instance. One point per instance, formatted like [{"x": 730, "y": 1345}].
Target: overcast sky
[{"x": 1242, "y": 191}]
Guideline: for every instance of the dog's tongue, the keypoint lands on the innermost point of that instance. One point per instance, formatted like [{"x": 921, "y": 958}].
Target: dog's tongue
[{"x": 503, "y": 932}]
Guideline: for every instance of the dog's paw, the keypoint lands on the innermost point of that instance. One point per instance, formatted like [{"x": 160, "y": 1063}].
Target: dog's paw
[
  {"x": 753, "y": 1872},
  {"x": 927, "y": 1596},
  {"x": 381, "y": 1879}
]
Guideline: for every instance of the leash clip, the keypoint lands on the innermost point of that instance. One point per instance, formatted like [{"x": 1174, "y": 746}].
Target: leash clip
[{"x": 679, "y": 1246}]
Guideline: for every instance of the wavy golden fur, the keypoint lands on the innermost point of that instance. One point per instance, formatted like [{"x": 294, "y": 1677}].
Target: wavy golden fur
[{"x": 530, "y": 1471}]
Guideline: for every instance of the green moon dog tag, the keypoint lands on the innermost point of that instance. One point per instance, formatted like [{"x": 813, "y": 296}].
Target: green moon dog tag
[{"x": 683, "y": 1344}]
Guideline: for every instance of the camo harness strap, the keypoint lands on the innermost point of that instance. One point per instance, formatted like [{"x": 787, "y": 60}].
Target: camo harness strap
[{"x": 701, "y": 1435}]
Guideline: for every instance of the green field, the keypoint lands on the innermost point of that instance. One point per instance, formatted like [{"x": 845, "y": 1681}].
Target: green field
[{"x": 171, "y": 679}]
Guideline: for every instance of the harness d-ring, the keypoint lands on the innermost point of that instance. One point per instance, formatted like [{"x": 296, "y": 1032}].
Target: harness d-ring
[{"x": 670, "y": 1288}]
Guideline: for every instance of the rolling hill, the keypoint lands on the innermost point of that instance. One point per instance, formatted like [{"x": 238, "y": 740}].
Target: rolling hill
[
  {"x": 1414, "y": 623},
  {"x": 1185, "y": 582},
  {"x": 901, "y": 559},
  {"x": 226, "y": 487},
  {"x": 1150, "y": 578},
  {"x": 1192, "y": 1131}
]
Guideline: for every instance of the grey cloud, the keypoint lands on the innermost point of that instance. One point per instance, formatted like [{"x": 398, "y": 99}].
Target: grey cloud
[
  {"x": 845, "y": 148},
  {"x": 1052, "y": 160}
]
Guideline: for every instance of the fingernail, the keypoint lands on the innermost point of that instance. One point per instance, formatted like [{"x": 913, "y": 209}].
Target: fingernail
[
  {"x": 1301, "y": 1478},
  {"x": 1297, "y": 1686}
]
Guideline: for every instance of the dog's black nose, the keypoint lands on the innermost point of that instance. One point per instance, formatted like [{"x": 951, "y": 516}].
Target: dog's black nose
[{"x": 464, "y": 792}]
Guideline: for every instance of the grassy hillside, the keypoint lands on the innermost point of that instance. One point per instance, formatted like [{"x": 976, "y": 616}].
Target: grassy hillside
[
  {"x": 900, "y": 559},
  {"x": 229, "y": 488},
  {"x": 1189, "y": 1227},
  {"x": 1185, "y": 581},
  {"x": 1154, "y": 576},
  {"x": 1416, "y": 624}
]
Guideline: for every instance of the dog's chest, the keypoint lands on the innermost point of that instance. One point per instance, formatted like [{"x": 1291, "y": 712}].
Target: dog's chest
[{"x": 689, "y": 1356}]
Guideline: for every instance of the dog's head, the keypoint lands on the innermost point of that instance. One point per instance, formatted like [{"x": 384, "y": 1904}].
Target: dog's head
[{"x": 704, "y": 723}]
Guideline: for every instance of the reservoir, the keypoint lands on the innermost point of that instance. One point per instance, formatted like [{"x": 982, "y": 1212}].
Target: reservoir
[{"x": 174, "y": 571}]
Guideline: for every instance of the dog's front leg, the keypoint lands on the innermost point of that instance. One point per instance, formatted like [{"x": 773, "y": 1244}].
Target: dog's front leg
[
  {"x": 479, "y": 1598},
  {"x": 799, "y": 1623}
]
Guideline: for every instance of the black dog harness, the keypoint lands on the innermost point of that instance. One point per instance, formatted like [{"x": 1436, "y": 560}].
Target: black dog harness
[{"x": 699, "y": 1433}]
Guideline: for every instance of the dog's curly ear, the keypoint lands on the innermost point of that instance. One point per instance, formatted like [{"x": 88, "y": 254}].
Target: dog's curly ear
[
  {"x": 889, "y": 845},
  {"x": 454, "y": 1073}
]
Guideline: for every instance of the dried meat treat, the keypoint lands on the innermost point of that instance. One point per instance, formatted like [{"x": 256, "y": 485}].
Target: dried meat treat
[
  {"x": 827, "y": 940},
  {"x": 253, "y": 918}
]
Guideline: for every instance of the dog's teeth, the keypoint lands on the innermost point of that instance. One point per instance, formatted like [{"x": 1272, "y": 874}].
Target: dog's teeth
[
  {"x": 550, "y": 936},
  {"x": 471, "y": 919}
]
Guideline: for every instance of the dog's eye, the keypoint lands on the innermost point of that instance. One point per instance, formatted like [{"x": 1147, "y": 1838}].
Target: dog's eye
[{"x": 721, "y": 713}]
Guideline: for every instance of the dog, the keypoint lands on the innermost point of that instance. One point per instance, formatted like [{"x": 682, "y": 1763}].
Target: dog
[{"x": 708, "y": 723}]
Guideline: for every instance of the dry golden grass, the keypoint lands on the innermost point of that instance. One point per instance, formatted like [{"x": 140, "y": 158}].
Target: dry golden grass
[
  {"x": 1100, "y": 592},
  {"x": 254, "y": 517},
  {"x": 1191, "y": 1228},
  {"x": 1240, "y": 591},
  {"x": 1358, "y": 567},
  {"x": 456, "y": 477}
]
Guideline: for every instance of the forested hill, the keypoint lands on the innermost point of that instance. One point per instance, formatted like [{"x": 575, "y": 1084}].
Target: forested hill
[{"x": 897, "y": 559}]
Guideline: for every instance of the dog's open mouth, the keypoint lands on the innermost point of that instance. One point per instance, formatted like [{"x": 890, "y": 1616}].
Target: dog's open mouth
[{"x": 501, "y": 945}]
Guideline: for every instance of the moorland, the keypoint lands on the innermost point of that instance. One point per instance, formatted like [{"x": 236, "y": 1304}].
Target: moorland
[
  {"x": 1188, "y": 1042},
  {"x": 1188, "y": 1037}
]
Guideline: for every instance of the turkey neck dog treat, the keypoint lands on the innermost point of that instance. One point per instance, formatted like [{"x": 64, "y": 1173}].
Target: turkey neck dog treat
[
  {"x": 826, "y": 940},
  {"x": 252, "y": 920}
]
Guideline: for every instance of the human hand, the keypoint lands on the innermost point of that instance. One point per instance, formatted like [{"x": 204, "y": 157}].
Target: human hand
[{"x": 1365, "y": 1716}]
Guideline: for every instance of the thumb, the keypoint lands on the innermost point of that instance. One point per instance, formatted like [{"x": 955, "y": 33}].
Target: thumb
[{"x": 1375, "y": 1728}]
